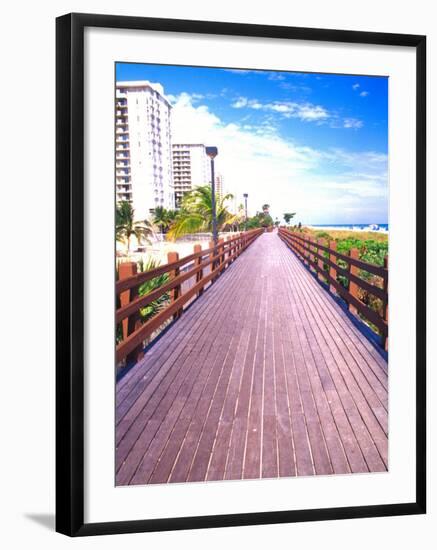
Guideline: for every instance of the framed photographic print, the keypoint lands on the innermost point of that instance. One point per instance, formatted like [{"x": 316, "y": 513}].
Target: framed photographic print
[{"x": 240, "y": 274}]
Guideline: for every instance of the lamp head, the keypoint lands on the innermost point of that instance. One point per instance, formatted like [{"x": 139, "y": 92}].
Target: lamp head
[{"x": 211, "y": 152}]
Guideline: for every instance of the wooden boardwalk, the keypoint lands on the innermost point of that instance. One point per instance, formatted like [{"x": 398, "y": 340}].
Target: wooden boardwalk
[{"x": 265, "y": 375}]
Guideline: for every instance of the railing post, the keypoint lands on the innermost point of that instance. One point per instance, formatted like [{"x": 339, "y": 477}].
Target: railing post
[
  {"x": 353, "y": 287},
  {"x": 229, "y": 249},
  {"x": 133, "y": 322},
  {"x": 220, "y": 252},
  {"x": 306, "y": 252},
  {"x": 197, "y": 262},
  {"x": 332, "y": 270},
  {"x": 320, "y": 262},
  {"x": 176, "y": 291},
  {"x": 311, "y": 255},
  {"x": 211, "y": 258},
  {"x": 295, "y": 245},
  {"x": 385, "y": 304}
]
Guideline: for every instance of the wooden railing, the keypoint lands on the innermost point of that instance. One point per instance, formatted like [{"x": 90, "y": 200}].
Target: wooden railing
[
  {"x": 196, "y": 271},
  {"x": 323, "y": 258}
]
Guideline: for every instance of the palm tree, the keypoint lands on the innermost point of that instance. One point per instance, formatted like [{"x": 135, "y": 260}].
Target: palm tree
[
  {"x": 288, "y": 216},
  {"x": 240, "y": 218},
  {"x": 125, "y": 226},
  {"x": 196, "y": 213},
  {"x": 162, "y": 218}
]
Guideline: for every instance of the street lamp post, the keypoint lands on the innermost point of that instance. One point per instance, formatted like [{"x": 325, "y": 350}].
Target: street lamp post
[
  {"x": 245, "y": 195},
  {"x": 212, "y": 152}
]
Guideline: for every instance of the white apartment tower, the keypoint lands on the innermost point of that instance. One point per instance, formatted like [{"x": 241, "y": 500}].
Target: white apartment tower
[
  {"x": 191, "y": 168},
  {"x": 219, "y": 186},
  {"x": 143, "y": 163}
]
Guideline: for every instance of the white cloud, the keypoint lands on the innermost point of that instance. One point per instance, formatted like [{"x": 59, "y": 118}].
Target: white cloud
[
  {"x": 364, "y": 93},
  {"x": 322, "y": 186},
  {"x": 239, "y": 103},
  {"x": 288, "y": 109},
  {"x": 355, "y": 86},
  {"x": 276, "y": 76},
  {"x": 312, "y": 112},
  {"x": 352, "y": 123},
  {"x": 239, "y": 71},
  {"x": 295, "y": 88}
]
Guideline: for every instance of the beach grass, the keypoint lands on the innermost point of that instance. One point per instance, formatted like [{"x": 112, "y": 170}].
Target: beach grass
[{"x": 343, "y": 234}]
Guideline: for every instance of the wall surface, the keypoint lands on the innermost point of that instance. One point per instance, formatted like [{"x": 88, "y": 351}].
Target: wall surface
[{"x": 27, "y": 388}]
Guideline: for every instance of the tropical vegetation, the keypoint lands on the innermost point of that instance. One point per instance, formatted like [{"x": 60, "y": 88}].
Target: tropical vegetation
[
  {"x": 157, "y": 305},
  {"x": 288, "y": 216},
  {"x": 372, "y": 248},
  {"x": 261, "y": 219},
  {"x": 154, "y": 307},
  {"x": 163, "y": 218},
  {"x": 126, "y": 226},
  {"x": 195, "y": 214}
]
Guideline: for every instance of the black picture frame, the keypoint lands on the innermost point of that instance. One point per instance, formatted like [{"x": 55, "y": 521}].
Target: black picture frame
[{"x": 70, "y": 273}]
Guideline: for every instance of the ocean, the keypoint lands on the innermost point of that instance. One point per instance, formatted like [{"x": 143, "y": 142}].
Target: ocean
[{"x": 379, "y": 227}]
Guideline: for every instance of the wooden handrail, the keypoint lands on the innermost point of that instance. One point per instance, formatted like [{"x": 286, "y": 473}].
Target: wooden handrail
[
  {"x": 371, "y": 268},
  {"x": 218, "y": 257},
  {"x": 309, "y": 252},
  {"x": 141, "y": 278}
]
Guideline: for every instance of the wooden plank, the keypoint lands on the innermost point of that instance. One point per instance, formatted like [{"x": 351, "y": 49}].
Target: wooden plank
[
  {"x": 199, "y": 399},
  {"x": 284, "y": 433},
  {"x": 325, "y": 383},
  {"x": 219, "y": 453},
  {"x": 269, "y": 441},
  {"x": 235, "y": 457},
  {"x": 282, "y": 384},
  {"x": 204, "y": 447},
  {"x": 351, "y": 297},
  {"x": 189, "y": 447},
  {"x": 320, "y": 301},
  {"x": 162, "y": 357},
  {"x": 319, "y": 451},
  {"x": 355, "y": 399},
  {"x": 150, "y": 326},
  {"x": 192, "y": 318},
  {"x": 253, "y": 448},
  {"x": 138, "y": 428},
  {"x": 362, "y": 345}
]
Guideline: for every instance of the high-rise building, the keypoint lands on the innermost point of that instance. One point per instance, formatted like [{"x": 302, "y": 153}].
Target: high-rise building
[
  {"x": 143, "y": 161},
  {"x": 219, "y": 191},
  {"x": 191, "y": 168}
]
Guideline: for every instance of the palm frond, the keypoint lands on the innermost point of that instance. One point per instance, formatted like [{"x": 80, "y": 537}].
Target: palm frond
[{"x": 188, "y": 223}]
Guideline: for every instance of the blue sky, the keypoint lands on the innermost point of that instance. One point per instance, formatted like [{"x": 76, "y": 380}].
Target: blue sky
[{"x": 312, "y": 143}]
